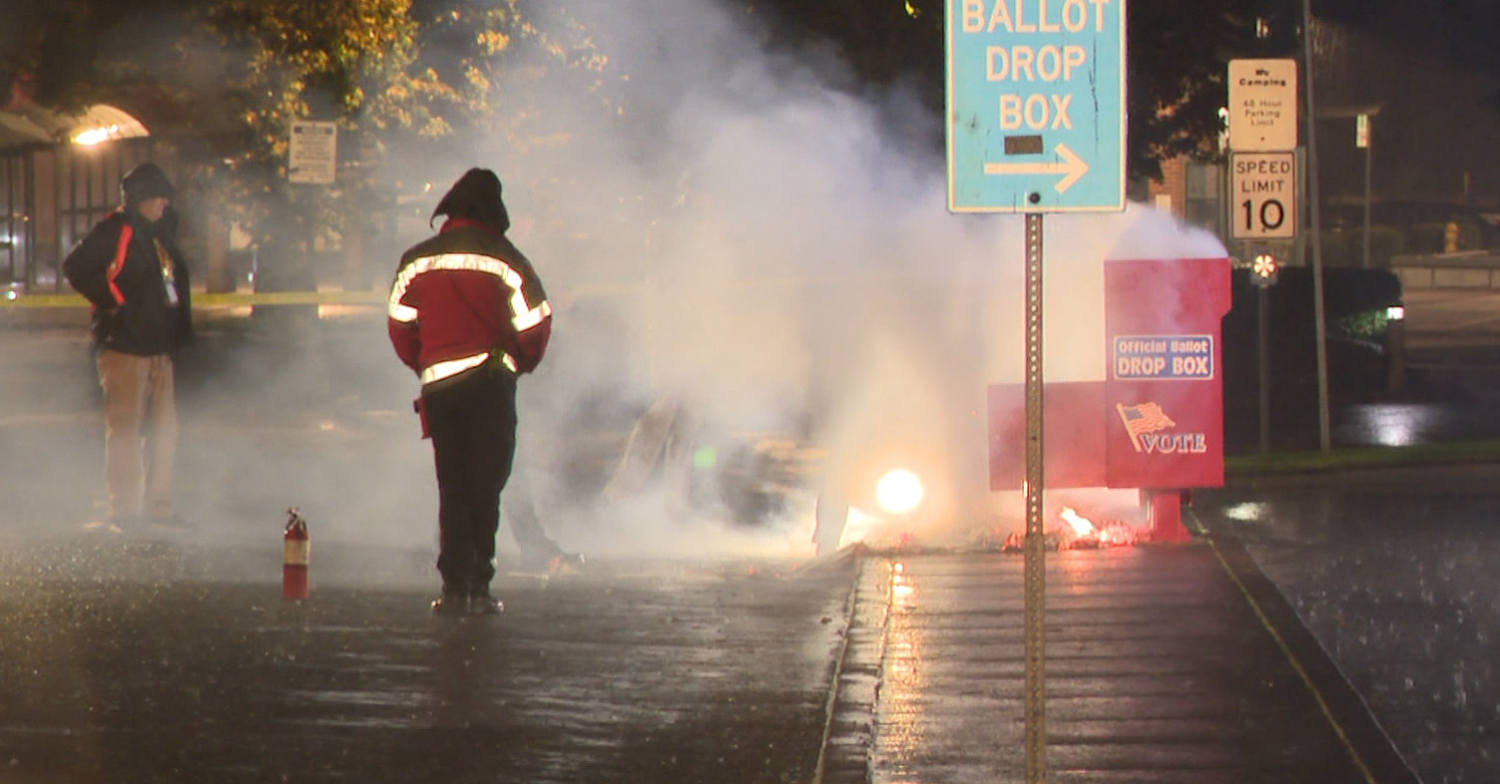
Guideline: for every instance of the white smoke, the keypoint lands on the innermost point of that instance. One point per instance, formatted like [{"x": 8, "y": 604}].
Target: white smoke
[
  {"x": 771, "y": 255},
  {"x": 774, "y": 257},
  {"x": 793, "y": 259}
]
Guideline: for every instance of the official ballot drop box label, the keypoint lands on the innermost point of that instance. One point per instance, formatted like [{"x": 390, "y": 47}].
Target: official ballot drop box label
[{"x": 1164, "y": 357}]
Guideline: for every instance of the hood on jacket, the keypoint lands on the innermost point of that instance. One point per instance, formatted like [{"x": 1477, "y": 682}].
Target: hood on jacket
[{"x": 475, "y": 196}]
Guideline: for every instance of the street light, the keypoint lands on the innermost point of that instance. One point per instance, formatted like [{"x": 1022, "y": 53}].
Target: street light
[{"x": 102, "y": 123}]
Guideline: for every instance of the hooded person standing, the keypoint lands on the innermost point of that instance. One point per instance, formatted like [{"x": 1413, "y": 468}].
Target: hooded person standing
[
  {"x": 129, "y": 268},
  {"x": 468, "y": 315}
]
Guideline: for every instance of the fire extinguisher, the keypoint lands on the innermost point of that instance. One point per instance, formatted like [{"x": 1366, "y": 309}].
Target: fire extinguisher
[{"x": 295, "y": 548}]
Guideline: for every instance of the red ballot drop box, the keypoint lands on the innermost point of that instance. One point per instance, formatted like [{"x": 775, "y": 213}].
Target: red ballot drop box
[{"x": 1156, "y": 420}]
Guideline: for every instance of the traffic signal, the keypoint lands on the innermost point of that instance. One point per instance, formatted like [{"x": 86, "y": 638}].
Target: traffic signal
[{"x": 1263, "y": 270}]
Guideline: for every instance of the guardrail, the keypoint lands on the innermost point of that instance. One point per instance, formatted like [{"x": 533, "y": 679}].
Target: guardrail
[{"x": 1474, "y": 269}]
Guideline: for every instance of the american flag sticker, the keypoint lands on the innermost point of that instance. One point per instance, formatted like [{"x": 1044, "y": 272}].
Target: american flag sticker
[{"x": 1141, "y": 419}]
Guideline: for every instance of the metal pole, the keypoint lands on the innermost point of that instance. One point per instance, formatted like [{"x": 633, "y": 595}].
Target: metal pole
[
  {"x": 1262, "y": 297},
  {"x": 59, "y": 250},
  {"x": 1320, "y": 328},
  {"x": 1366, "y": 258},
  {"x": 1036, "y": 537}
]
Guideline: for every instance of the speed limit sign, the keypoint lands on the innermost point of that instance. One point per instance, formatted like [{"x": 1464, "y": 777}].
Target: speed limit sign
[{"x": 1264, "y": 195}]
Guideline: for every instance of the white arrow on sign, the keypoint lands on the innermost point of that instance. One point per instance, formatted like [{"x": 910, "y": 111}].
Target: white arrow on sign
[{"x": 1071, "y": 165}]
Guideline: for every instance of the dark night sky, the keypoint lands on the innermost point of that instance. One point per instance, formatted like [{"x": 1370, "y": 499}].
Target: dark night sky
[{"x": 1467, "y": 31}]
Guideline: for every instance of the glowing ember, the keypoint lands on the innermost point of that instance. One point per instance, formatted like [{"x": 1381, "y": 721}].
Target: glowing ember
[
  {"x": 1116, "y": 533},
  {"x": 1077, "y": 533}
]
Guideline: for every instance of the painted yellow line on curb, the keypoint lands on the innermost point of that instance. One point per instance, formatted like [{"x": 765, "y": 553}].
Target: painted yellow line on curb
[{"x": 1286, "y": 650}]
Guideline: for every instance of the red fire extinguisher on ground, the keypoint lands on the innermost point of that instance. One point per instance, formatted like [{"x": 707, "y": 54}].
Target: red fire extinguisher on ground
[{"x": 295, "y": 548}]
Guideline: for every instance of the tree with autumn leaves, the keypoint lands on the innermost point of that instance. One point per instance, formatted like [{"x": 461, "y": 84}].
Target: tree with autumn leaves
[
  {"x": 395, "y": 75},
  {"x": 225, "y": 79}
]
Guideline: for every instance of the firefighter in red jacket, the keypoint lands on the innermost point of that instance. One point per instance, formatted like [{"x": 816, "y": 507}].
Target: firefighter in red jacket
[{"x": 467, "y": 312}]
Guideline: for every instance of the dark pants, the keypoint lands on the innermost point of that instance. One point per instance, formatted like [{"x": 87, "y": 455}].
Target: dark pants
[{"x": 472, "y": 420}]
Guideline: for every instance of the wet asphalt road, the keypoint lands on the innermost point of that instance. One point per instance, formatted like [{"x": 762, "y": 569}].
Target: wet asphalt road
[
  {"x": 1394, "y": 572},
  {"x": 169, "y": 656},
  {"x": 163, "y": 658},
  {"x": 152, "y": 671}
]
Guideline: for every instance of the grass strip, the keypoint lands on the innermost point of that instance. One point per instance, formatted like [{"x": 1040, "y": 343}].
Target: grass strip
[{"x": 1362, "y": 457}]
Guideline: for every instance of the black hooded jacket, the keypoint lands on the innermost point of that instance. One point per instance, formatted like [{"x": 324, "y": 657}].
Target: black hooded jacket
[{"x": 118, "y": 269}]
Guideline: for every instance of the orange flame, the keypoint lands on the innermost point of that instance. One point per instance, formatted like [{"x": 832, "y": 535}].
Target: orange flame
[{"x": 1081, "y": 525}]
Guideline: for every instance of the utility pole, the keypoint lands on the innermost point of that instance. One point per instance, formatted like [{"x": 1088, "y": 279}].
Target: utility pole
[
  {"x": 1362, "y": 139},
  {"x": 1320, "y": 328}
]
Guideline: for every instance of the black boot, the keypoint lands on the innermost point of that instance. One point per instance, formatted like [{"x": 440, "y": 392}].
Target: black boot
[
  {"x": 452, "y": 603},
  {"x": 481, "y": 603}
]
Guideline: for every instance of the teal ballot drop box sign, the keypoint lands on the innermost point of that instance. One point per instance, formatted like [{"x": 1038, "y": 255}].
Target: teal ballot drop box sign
[{"x": 1036, "y": 105}]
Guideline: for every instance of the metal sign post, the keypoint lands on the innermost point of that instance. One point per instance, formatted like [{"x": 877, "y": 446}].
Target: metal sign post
[
  {"x": 1263, "y": 118},
  {"x": 1264, "y": 185},
  {"x": 1036, "y": 533},
  {"x": 1036, "y": 124}
]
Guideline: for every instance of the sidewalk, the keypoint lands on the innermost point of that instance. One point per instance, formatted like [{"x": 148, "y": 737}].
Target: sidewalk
[{"x": 1164, "y": 664}]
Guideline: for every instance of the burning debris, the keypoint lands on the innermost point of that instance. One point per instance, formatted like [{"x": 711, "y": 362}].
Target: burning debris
[{"x": 1076, "y": 532}]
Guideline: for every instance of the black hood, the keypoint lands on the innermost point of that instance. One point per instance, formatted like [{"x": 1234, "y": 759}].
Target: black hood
[
  {"x": 476, "y": 196},
  {"x": 144, "y": 182}
]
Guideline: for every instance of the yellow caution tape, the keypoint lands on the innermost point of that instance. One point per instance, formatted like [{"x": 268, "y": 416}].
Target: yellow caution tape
[
  {"x": 16, "y": 299},
  {"x": 42, "y": 301},
  {"x": 211, "y": 300}
]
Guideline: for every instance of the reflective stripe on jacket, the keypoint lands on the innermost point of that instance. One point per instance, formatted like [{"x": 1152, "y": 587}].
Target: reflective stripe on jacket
[{"x": 461, "y": 295}]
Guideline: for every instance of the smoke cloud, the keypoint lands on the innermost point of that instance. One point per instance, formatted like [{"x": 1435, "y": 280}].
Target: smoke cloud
[{"x": 766, "y": 259}]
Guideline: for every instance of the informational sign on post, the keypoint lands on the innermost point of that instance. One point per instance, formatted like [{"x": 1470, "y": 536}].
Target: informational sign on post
[
  {"x": 312, "y": 156},
  {"x": 1262, "y": 105},
  {"x": 1036, "y": 124},
  {"x": 1263, "y": 187},
  {"x": 1036, "y": 105}
]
